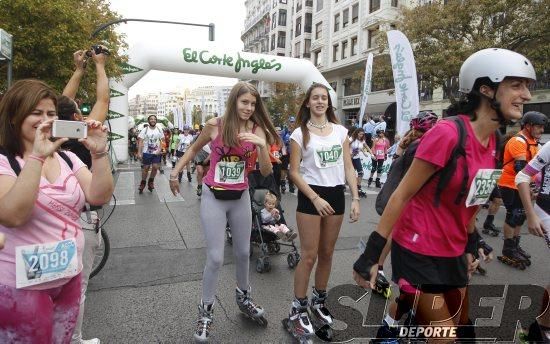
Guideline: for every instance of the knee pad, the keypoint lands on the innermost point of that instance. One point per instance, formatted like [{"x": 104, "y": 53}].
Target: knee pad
[
  {"x": 360, "y": 173},
  {"x": 515, "y": 218}
]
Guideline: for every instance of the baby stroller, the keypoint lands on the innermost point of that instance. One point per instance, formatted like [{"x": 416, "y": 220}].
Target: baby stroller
[{"x": 265, "y": 240}]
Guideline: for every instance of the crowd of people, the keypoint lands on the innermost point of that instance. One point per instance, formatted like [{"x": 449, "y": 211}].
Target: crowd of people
[{"x": 46, "y": 185}]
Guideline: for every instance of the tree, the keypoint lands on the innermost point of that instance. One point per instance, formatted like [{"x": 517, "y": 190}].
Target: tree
[
  {"x": 196, "y": 114},
  {"x": 444, "y": 35},
  {"x": 285, "y": 102},
  {"x": 47, "y": 33}
]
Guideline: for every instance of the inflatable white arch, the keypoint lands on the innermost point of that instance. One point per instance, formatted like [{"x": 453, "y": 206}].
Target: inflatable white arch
[{"x": 207, "y": 60}]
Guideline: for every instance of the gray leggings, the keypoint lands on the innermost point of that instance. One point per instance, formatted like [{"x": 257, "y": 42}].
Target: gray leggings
[{"x": 214, "y": 216}]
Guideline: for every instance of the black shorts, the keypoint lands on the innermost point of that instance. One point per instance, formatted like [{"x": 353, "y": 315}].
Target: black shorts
[
  {"x": 511, "y": 199},
  {"x": 334, "y": 195},
  {"x": 285, "y": 159},
  {"x": 427, "y": 273},
  {"x": 495, "y": 193},
  {"x": 179, "y": 154}
]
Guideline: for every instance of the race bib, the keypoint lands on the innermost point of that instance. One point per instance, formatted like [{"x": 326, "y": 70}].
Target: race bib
[
  {"x": 329, "y": 156},
  {"x": 276, "y": 154},
  {"x": 380, "y": 152},
  {"x": 229, "y": 172},
  {"x": 42, "y": 263},
  {"x": 482, "y": 186}
]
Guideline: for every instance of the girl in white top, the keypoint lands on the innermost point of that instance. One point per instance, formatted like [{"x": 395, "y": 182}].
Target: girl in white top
[
  {"x": 320, "y": 165},
  {"x": 359, "y": 144}
]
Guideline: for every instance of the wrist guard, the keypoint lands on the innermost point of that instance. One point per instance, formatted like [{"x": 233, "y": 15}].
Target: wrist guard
[
  {"x": 370, "y": 256},
  {"x": 472, "y": 245},
  {"x": 484, "y": 246}
]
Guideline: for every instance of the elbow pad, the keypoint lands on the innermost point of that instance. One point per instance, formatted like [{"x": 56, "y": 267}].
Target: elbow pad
[
  {"x": 522, "y": 177},
  {"x": 519, "y": 165}
]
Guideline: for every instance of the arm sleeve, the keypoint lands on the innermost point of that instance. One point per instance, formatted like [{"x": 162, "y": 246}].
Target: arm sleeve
[
  {"x": 437, "y": 144},
  {"x": 297, "y": 136}
]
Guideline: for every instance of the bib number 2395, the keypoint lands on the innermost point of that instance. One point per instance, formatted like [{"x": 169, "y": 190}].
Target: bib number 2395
[
  {"x": 229, "y": 172},
  {"x": 482, "y": 186},
  {"x": 42, "y": 263},
  {"x": 329, "y": 156}
]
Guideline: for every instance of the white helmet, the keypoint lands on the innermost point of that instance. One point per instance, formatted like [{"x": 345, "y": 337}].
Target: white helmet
[{"x": 495, "y": 64}]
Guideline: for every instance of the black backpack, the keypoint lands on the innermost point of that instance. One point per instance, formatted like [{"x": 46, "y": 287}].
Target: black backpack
[
  {"x": 15, "y": 164},
  {"x": 400, "y": 166}
]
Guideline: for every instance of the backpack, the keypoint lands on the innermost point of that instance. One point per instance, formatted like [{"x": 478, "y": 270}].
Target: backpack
[
  {"x": 400, "y": 166},
  {"x": 14, "y": 164}
]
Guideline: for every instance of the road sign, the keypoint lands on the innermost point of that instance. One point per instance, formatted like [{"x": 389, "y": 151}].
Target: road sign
[{"x": 5, "y": 44}]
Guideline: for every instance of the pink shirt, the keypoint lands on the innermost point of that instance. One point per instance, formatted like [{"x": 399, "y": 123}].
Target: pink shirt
[
  {"x": 381, "y": 148},
  {"x": 442, "y": 231},
  {"x": 244, "y": 153},
  {"x": 55, "y": 217}
]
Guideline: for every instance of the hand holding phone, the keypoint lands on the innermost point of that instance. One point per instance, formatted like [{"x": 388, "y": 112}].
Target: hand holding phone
[{"x": 69, "y": 129}]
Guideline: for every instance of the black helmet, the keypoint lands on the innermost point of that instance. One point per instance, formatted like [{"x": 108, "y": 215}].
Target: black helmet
[{"x": 534, "y": 118}]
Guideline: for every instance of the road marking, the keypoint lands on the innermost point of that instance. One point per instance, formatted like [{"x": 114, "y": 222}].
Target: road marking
[{"x": 124, "y": 189}]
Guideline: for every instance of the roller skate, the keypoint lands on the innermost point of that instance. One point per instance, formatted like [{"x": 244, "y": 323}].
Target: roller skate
[
  {"x": 189, "y": 177},
  {"x": 151, "y": 185},
  {"x": 382, "y": 286},
  {"x": 510, "y": 255},
  {"x": 369, "y": 182},
  {"x": 204, "y": 323},
  {"x": 320, "y": 316},
  {"x": 377, "y": 183},
  {"x": 490, "y": 229},
  {"x": 283, "y": 186},
  {"x": 525, "y": 255},
  {"x": 199, "y": 190},
  {"x": 362, "y": 193},
  {"x": 141, "y": 187},
  {"x": 298, "y": 323},
  {"x": 249, "y": 308},
  {"x": 387, "y": 334},
  {"x": 291, "y": 187}
]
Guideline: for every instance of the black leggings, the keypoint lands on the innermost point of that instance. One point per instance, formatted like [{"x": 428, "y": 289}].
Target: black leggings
[{"x": 376, "y": 167}]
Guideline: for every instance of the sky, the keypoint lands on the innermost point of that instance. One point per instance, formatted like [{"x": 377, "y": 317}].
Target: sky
[{"x": 227, "y": 15}]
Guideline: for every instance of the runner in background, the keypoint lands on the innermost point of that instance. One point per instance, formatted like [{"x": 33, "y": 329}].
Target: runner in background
[
  {"x": 358, "y": 144},
  {"x": 149, "y": 150},
  {"x": 380, "y": 146}
]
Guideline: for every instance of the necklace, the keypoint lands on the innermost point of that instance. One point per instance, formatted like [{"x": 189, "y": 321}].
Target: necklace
[{"x": 318, "y": 126}]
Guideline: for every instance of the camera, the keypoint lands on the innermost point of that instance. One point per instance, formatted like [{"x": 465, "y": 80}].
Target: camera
[{"x": 98, "y": 49}]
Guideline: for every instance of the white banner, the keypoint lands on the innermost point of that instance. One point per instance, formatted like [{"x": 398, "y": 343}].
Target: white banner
[
  {"x": 366, "y": 162},
  {"x": 366, "y": 88},
  {"x": 176, "y": 117},
  {"x": 404, "y": 77}
]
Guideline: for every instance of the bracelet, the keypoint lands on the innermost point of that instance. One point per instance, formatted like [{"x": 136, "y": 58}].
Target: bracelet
[
  {"x": 355, "y": 199},
  {"x": 37, "y": 158},
  {"x": 100, "y": 154}
]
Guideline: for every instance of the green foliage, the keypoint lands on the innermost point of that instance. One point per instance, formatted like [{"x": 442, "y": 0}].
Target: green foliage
[
  {"x": 196, "y": 115},
  {"x": 284, "y": 102},
  {"x": 46, "y": 33}
]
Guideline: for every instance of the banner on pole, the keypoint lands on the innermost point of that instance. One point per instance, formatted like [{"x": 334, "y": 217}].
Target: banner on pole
[
  {"x": 366, "y": 88},
  {"x": 405, "y": 80}
]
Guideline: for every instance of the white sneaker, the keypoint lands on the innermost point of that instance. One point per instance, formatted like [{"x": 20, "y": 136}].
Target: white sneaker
[{"x": 90, "y": 341}]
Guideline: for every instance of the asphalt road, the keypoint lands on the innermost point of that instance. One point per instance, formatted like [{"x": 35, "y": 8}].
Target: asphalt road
[{"x": 149, "y": 289}]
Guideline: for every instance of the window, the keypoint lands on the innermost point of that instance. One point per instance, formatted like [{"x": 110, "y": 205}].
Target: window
[
  {"x": 274, "y": 21},
  {"x": 318, "y": 58},
  {"x": 333, "y": 85},
  {"x": 298, "y": 6},
  {"x": 353, "y": 47},
  {"x": 309, "y": 3},
  {"x": 282, "y": 17},
  {"x": 355, "y": 13},
  {"x": 273, "y": 42},
  {"x": 374, "y": 5},
  {"x": 352, "y": 86},
  {"x": 335, "y": 52},
  {"x": 394, "y": 3},
  {"x": 344, "y": 49},
  {"x": 319, "y": 30},
  {"x": 307, "y": 24},
  {"x": 297, "y": 49},
  {"x": 345, "y": 18},
  {"x": 281, "y": 39},
  {"x": 372, "y": 38},
  {"x": 298, "y": 26},
  {"x": 307, "y": 48},
  {"x": 336, "y": 22},
  {"x": 319, "y": 5}
]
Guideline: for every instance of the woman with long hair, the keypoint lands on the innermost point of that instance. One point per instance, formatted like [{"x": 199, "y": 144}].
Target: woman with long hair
[
  {"x": 359, "y": 144},
  {"x": 244, "y": 129},
  {"x": 320, "y": 165},
  {"x": 42, "y": 192},
  {"x": 433, "y": 233}
]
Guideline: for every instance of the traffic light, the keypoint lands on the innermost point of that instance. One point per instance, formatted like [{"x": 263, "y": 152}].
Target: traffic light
[{"x": 86, "y": 108}]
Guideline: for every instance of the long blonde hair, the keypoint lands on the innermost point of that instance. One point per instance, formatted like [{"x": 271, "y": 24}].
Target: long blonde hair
[{"x": 260, "y": 117}]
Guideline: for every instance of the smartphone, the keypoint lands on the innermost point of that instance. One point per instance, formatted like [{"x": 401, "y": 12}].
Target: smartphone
[{"x": 70, "y": 129}]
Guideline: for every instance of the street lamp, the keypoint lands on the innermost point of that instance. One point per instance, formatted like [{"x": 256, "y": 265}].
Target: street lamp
[{"x": 210, "y": 26}]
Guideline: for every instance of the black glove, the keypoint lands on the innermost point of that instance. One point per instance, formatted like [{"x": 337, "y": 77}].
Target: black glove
[
  {"x": 472, "y": 245},
  {"x": 370, "y": 257}
]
